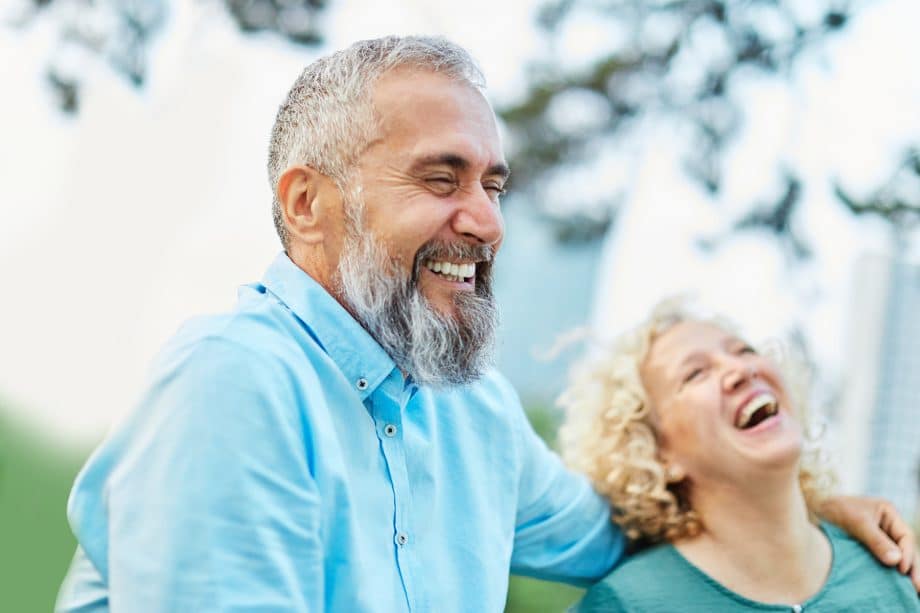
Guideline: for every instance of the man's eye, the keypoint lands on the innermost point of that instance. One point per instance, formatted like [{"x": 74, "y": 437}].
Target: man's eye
[
  {"x": 442, "y": 184},
  {"x": 746, "y": 349},
  {"x": 495, "y": 189}
]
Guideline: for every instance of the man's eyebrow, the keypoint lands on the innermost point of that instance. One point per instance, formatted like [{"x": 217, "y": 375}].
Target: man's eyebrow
[
  {"x": 459, "y": 163},
  {"x": 501, "y": 169}
]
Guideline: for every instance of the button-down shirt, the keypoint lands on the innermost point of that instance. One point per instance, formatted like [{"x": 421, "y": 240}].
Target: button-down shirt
[{"x": 279, "y": 461}]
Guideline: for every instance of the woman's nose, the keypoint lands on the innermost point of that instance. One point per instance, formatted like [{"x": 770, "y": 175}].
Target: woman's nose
[{"x": 737, "y": 375}]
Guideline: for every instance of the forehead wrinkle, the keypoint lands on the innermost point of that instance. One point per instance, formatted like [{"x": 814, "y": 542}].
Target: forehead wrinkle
[
  {"x": 670, "y": 369},
  {"x": 690, "y": 358},
  {"x": 727, "y": 341},
  {"x": 457, "y": 162}
]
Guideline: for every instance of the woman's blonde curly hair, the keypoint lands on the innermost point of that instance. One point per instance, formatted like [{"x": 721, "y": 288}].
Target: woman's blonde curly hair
[{"x": 609, "y": 432}]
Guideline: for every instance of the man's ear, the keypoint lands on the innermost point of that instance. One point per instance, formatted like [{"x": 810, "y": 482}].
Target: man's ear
[{"x": 302, "y": 192}]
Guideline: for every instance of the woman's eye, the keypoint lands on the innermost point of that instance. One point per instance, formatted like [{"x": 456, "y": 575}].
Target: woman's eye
[
  {"x": 693, "y": 374},
  {"x": 746, "y": 349}
]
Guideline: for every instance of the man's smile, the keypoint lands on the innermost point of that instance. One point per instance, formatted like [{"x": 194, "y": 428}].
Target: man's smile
[{"x": 455, "y": 272}]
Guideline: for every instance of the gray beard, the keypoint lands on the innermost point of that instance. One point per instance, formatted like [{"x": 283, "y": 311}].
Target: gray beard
[{"x": 436, "y": 350}]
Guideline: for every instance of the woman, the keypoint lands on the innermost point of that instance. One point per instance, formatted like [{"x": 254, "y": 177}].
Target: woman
[{"x": 697, "y": 440}]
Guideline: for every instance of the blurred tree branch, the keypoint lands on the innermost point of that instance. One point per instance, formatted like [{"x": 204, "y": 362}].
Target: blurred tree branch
[
  {"x": 676, "y": 62},
  {"x": 773, "y": 217},
  {"x": 897, "y": 201},
  {"x": 121, "y": 33}
]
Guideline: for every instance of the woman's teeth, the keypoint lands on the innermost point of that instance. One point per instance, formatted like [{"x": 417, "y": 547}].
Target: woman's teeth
[
  {"x": 451, "y": 271},
  {"x": 757, "y": 410}
]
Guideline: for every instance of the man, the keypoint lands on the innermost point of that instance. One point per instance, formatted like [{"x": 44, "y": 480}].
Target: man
[{"x": 339, "y": 442}]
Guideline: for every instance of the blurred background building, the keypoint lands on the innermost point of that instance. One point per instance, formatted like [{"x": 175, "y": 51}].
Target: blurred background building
[
  {"x": 752, "y": 152},
  {"x": 882, "y": 440},
  {"x": 894, "y": 457}
]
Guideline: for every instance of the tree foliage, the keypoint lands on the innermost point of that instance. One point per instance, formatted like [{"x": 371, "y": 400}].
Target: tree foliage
[
  {"x": 897, "y": 200},
  {"x": 675, "y": 61},
  {"x": 121, "y": 32}
]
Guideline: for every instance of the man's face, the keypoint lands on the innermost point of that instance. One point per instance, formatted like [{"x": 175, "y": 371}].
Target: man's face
[
  {"x": 415, "y": 264},
  {"x": 434, "y": 173}
]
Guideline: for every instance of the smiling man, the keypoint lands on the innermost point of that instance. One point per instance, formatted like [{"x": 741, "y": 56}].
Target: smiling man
[{"x": 339, "y": 441}]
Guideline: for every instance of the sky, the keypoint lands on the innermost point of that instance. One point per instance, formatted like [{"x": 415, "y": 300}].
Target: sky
[{"x": 151, "y": 206}]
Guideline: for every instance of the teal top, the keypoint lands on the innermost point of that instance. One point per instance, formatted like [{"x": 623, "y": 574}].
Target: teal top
[{"x": 660, "y": 580}]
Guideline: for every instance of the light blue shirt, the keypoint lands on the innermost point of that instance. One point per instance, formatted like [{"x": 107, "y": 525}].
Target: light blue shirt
[{"x": 279, "y": 461}]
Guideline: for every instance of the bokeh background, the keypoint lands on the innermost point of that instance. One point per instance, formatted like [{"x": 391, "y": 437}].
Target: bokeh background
[{"x": 763, "y": 154}]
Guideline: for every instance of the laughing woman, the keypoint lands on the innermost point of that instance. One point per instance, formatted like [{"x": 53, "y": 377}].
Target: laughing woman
[{"x": 697, "y": 440}]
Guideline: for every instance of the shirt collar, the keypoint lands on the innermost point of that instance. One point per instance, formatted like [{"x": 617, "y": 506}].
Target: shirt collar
[{"x": 354, "y": 351}]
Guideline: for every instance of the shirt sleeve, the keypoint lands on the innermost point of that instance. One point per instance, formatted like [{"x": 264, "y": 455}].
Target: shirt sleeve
[
  {"x": 211, "y": 504},
  {"x": 563, "y": 530}
]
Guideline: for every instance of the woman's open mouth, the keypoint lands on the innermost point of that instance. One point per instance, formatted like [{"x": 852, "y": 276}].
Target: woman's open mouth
[{"x": 758, "y": 409}]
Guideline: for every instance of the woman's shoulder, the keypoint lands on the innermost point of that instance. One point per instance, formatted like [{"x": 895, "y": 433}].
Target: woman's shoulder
[
  {"x": 859, "y": 579},
  {"x": 646, "y": 580},
  {"x": 650, "y": 560}
]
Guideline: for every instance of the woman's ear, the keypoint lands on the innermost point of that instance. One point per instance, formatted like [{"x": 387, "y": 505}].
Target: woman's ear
[{"x": 674, "y": 472}]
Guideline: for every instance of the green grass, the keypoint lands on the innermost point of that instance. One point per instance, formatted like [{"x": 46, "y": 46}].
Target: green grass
[
  {"x": 35, "y": 541},
  {"x": 527, "y": 595}
]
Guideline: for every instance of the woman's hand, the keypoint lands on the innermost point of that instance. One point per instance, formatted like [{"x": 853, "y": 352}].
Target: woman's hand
[{"x": 877, "y": 525}]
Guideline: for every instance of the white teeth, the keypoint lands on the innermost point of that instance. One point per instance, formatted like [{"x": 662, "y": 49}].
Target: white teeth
[
  {"x": 758, "y": 402},
  {"x": 454, "y": 272}
]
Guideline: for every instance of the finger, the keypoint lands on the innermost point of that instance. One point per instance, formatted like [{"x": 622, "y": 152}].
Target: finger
[
  {"x": 915, "y": 573},
  {"x": 908, "y": 547},
  {"x": 881, "y": 545},
  {"x": 896, "y": 528}
]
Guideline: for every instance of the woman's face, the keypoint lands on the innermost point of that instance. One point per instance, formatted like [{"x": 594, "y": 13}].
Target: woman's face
[{"x": 721, "y": 409}]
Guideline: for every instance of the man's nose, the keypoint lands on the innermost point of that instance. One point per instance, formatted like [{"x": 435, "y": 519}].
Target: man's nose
[{"x": 479, "y": 218}]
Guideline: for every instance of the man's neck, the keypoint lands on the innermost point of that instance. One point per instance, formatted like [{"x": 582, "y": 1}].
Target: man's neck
[{"x": 759, "y": 542}]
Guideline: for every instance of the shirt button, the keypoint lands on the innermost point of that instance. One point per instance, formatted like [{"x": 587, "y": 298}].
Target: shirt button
[
  {"x": 389, "y": 430},
  {"x": 402, "y": 538},
  {"x": 362, "y": 384}
]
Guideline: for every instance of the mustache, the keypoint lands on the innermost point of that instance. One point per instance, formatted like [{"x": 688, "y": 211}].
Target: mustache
[{"x": 444, "y": 250}]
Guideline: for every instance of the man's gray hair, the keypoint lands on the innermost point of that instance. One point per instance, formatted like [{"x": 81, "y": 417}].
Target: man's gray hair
[{"x": 328, "y": 120}]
